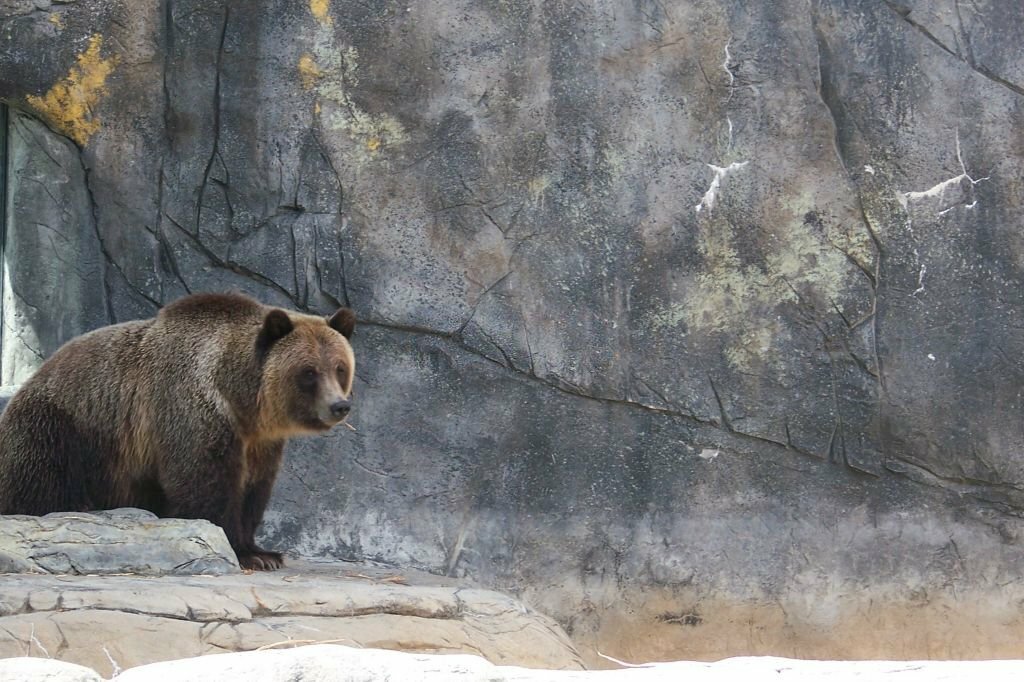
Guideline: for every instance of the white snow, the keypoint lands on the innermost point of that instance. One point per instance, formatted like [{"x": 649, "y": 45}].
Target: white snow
[{"x": 342, "y": 664}]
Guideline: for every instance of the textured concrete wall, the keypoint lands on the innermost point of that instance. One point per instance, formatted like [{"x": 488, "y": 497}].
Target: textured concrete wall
[{"x": 695, "y": 323}]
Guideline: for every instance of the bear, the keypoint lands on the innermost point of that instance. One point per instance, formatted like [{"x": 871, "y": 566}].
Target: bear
[{"x": 185, "y": 414}]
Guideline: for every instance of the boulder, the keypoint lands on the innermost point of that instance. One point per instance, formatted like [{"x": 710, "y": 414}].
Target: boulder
[{"x": 116, "y": 541}]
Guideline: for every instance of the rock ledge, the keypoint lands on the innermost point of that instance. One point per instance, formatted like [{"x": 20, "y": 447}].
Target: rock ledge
[{"x": 112, "y": 623}]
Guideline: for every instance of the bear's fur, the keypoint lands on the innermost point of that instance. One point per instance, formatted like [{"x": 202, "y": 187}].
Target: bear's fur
[{"x": 185, "y": 414}]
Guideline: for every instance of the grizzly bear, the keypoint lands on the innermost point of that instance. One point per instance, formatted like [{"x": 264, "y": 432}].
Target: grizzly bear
[{"x": 185, "y": 414}]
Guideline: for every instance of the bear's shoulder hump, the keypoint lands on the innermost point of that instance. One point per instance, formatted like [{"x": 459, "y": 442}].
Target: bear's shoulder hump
[{"x": 209, "y": 305}]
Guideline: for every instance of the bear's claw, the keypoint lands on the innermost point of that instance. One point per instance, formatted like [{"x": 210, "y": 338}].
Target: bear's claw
[{"x": 261, "y": 560}]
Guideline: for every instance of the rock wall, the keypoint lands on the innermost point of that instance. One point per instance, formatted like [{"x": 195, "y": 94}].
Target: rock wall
[{"x": 696, "y": 324}]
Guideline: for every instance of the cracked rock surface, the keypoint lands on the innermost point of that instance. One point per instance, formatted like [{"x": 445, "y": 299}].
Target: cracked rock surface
[
  {"x": 695, "y": 324},
  {"x": 113, "y": 623}
]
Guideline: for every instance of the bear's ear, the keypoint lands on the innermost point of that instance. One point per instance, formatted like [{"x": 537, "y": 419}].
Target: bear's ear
[
  {"x": 343, "y": 322},
  {"x": 276, "y": 325}
]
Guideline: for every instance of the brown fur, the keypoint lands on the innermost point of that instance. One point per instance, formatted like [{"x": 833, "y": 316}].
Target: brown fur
[{"x": 185, "y": 414}]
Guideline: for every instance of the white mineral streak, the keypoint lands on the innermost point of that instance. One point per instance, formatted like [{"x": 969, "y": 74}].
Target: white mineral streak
[
  {"x": 732, "y": 82},
  {"x": 920, "y": 279},
  {"x": 711, "y": 196},
  {"x": 936, "y": 191},
  {"x": 725, "y": 65}
]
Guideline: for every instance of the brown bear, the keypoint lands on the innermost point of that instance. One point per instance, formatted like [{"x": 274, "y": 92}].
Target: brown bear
[{"x": 185, "y": 414}]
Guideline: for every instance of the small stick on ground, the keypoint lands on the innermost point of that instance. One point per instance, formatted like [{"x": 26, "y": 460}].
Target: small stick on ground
[
  {"x": 396, "y": 579},
  {"x": 624, "y": 664},
  {"x": 303, "y": 642}
]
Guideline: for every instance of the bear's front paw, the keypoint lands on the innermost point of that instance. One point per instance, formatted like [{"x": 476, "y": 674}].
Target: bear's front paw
[{"x": 261, "y": 560}]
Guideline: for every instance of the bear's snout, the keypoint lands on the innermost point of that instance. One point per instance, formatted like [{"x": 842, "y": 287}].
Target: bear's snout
[
  {"x": 340, "y": 408},
  {"x": 333, "y": 410}
]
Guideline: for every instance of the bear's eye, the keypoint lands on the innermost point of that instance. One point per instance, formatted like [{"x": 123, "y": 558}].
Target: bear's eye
[
  {"x": 341, "y": 371},
  {"x": 308, "y": 377}
]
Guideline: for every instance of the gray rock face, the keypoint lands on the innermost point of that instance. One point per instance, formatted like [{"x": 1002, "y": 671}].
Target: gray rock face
[
  {"x": 694, "y": 323},
  {"x": 113, "y": 623},
  {"x": 53, "y": 264},
  {"x": 116, "y": 541}
]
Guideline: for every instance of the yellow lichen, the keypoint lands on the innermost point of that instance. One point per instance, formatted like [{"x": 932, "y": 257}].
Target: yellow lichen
[
  {"x": 309, "y": 72},
  {"x": 738, "y": 297},
  {"x": 337, "y": 69},
  {"x": 615, "y": 162},
  {"x": 57, "y": 20},
  {"x": 752, "y": 345},
  {"x": 320, "y": 8},
  {"x": 331, "y": 72},
  {"x": 729, "y": 291},
  {"x": 537, "y": 187},
  {"x": 70, "y": 104},
  {"x": 375, "y": 130}
]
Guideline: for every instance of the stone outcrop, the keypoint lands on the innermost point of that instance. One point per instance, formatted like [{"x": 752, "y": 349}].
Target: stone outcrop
[
  {"x": 118, "y": 541},
  {"x": 695, "y": 324},
  {"x": 112, "y": 623}
]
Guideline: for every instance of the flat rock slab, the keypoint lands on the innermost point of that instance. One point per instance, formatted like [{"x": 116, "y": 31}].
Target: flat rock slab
[
  {"x": 111, "y": 542},
  {"x": 344, "y": 664},
  {"x": 112, "y": 623}
]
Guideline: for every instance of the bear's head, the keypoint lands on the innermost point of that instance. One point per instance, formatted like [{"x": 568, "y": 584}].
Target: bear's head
[{"x": 307, "y": 370}]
